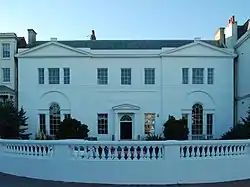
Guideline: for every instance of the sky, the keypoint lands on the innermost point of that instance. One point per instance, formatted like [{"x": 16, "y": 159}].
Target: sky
[{"x": 120, "y": 19}]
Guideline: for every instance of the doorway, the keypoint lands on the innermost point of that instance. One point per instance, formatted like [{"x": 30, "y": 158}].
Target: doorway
[{"x": 126, "y": 127}]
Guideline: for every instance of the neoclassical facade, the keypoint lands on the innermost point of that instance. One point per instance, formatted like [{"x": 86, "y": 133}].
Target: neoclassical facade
[{"x": 124, "y": 90}]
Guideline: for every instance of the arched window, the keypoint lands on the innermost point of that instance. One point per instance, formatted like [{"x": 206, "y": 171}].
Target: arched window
[
  {"x": 197, "y": 121},
  {"x": 54, "y": 117},
  {"x": 126, "y": 118}
]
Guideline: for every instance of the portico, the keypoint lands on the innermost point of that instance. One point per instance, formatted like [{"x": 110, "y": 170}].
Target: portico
[{"x": 125, "y": 119}]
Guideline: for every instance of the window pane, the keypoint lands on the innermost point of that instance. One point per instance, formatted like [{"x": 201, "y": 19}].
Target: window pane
[
  {"x": 102, "y": 123},
  {"x": 42, "y": 120},
  {"x": 6, "y": 74},
  {"x": 149, "y": 125},
  {"x": 149, "y": 75},
  {"x": 210, "y": 76},
  {"x": 126, "y": 76},
  {"x": 67, "y": 116},
  {"x": 66, "y": 72},
  {"x": 185, "y": 75},
  {"x": 198, "y": 75},
  {"x": 40, "y": 75},
  {"x": 102, "y": 76},
  {"x": 6, "y": 50},
  {"x": 210, "y": 126},
  {"x": 54, "y": 76}
]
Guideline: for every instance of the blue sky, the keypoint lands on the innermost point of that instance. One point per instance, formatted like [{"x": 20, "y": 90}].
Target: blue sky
[{"x": 120, "y": 19}]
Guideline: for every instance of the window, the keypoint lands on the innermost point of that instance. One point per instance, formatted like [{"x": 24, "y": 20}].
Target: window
[
  {"x": 66, "y": 73},
  {"x": 6, "y": 50},
  {"x": 102, "y": 76},
  {"x": 210, "y": 126},
  {"x": 126, "y": 76},
  {"x": 149, "y": 123},
  {"x": 102, "y": 123},
  {"x": 197, "y": 122},
  {"x": 67, "y": 116},
  {"x": 6, "y": 74},
  {"x": 210, "y": 76},
  {"x": 54, "y": 118},
  {"x": 42, "y": 121},
  {"x": 185, "y": 75},
  {"x": 198, "y": 75},
  {"x": 149, "y": 75},
  {"x": 54, "y": 76},
  {"x": 40, "y": 75}
]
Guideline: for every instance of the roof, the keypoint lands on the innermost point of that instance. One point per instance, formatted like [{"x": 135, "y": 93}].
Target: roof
[
  {"x": 127, "y": 44},
  {"x": 4, "y": 88},
  {"x": 242, "y": 29},
  {"x": 21, "y": 42}
]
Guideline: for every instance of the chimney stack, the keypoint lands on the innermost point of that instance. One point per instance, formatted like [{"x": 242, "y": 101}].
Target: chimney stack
[
  {"x": 231, "y": 32},
  {"x": 31, "y": 36},
  {"x": 220, "y": 35},
  {"x": 92, "y": 37}
]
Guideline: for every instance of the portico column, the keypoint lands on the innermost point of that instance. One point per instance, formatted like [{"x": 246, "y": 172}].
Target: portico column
[
  {"x": 190, "y": 125},
  {"x": 204, "y": 125},
  {"x": 116, "y": 127}
]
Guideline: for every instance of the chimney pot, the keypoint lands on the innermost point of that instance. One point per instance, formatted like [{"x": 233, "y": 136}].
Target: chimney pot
[{"x": 53, "y": 39}]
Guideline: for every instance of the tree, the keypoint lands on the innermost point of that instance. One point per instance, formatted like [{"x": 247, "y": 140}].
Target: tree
[
  {"x": 11, "y": 121},
  {"x": 175, "y": 129},
  {"x": 239, "y": 131},
  {"x": 72, "y": 129},
  {"x": 23, "y": 124}
]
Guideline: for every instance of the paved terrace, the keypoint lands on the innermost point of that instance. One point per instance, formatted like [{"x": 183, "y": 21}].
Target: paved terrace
[{"x": 13, "y": 181}]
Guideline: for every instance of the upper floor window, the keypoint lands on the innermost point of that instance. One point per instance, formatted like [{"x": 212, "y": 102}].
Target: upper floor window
[
  {"x": 54, "y": 76},
  {"x": 149, "y": 75},
  {"x": 6, "y": 74},
  {"x": 185, "y": 75},
  {"x": 198, "y": 76},
  {"x": 66, "y": 73},
  {"x": 6, "y": 50},
  {"x": 40, "y": 75},
  {"x": 102, "y": 76},
  {"x": 126, "y": 76},
  {"x": 210, "y": 76}
]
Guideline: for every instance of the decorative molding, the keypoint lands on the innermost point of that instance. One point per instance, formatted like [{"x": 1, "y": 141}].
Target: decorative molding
[{"x": 126, "y": 107}]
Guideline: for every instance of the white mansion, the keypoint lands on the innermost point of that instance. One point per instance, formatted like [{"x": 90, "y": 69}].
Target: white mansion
[{"x": 122, "y": 89}]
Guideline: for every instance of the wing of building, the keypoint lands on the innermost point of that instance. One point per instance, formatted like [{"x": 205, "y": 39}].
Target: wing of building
[{"x": 124, "y": 89}]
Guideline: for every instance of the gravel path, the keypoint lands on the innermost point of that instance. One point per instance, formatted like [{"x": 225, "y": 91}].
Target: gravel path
[{"x": 13, "y": 181}]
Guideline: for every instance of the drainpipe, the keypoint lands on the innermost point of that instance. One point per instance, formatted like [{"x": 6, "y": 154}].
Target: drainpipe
[
  {"x": 161, "y": 96},
  {"x": 235, "y": 77}
]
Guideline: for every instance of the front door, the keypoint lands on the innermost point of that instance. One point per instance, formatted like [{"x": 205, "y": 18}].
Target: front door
[{"x": 126, "y": 127}]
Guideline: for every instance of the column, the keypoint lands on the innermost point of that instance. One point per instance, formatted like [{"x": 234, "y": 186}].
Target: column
[
  {"x": 205, "y": 125},
  {"x": 190, "y": 125},
  {"x": 116, "y": 127}
]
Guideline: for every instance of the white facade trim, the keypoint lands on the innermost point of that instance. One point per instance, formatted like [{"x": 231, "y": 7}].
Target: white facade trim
[
  {"x": 242, "y": 39},
  {"x": 81, "y": 52}
]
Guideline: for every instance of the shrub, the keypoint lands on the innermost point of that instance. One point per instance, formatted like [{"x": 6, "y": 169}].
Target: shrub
[
  {"x": 72, "y": 129},
  {"x": 12, "y": 122},
  {"x": 154, "y": 138},
  {"x": 239, "y": 131},
  {"x": 42, "y": 136},
  {"x": 175, "y": 129}
]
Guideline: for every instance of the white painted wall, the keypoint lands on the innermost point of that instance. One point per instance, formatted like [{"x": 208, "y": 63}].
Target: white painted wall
[
  {"x": 218, "y": 161},
  {"x": 84, "y": 98},
  {"x": 243, "y": 79},
  {"x": 8, "y": 62}
]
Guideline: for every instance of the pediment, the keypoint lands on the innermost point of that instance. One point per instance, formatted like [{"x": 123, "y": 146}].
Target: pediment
[
  {"x": 53, "y": 49},
  {"x": 126, "y": 107},
  {"x": 198, "y": 48}
]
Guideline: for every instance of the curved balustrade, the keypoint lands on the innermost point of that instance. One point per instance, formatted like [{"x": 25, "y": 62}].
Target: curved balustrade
[{"x": 127, "y": 162}]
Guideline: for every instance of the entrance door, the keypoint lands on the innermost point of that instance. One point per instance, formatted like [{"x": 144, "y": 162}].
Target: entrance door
[{"x": 126, "y": 127}]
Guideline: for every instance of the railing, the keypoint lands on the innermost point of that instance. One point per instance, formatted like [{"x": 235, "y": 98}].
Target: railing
[{"x": 127, "y": 162}]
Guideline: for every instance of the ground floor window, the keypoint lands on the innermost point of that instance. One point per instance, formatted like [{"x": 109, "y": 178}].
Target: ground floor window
[
  {"x": 42, "y": 122},
  {"x": 67, "y": 116},
  {"x": 209, "y": 126},
  {"x": 197, "y": 121},
  {"x": 54, "y": 118},
  {"x": 149, "y": 125},
  {"x": 102, "y": 123}
]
